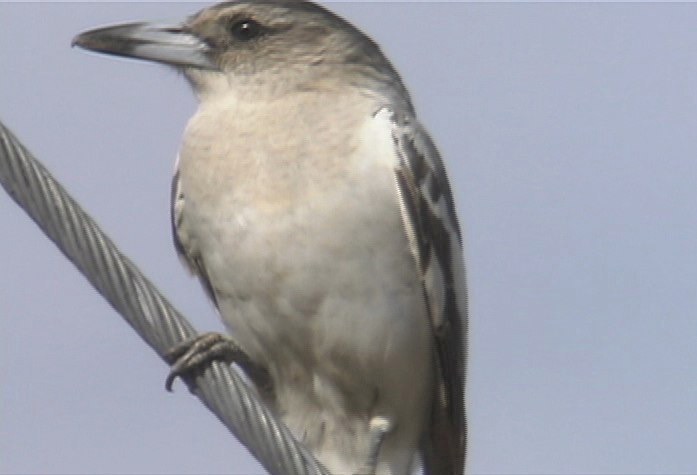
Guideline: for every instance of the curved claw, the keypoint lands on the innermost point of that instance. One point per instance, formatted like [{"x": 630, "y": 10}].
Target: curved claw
[{"x": 191, "y": 355}]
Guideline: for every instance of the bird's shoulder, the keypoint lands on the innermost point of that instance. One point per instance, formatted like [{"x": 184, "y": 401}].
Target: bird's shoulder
[{"x": 183, "y": 241}]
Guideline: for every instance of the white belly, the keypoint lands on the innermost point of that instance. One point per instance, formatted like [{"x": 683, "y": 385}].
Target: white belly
[{"x": 305, "y": 248}]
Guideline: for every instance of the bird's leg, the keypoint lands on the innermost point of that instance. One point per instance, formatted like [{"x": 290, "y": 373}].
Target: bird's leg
[
  {"x": 379, "y": 427},
  {"x": 191, "y": 355}
]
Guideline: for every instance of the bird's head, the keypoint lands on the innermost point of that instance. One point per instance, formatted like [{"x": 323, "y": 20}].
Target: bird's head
[{"x": 279, "y": 44}]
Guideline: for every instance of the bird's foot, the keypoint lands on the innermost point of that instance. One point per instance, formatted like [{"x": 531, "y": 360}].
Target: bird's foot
[
  {"x": 379, "y": 427},
  {"x": 191, "y": 355}
]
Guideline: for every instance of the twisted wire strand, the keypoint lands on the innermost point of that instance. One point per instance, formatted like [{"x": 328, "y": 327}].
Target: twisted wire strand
[{"x": 132, "y": 295}]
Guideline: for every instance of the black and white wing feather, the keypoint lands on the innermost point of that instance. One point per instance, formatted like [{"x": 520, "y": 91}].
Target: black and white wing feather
[{"x": 431, "y": 224}]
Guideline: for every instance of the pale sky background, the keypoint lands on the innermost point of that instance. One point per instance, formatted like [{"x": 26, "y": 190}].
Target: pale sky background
[{"x": 570, "y": 132}]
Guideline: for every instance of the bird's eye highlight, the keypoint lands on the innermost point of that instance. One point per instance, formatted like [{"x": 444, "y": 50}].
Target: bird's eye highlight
[{"x": 245, "y": 30}]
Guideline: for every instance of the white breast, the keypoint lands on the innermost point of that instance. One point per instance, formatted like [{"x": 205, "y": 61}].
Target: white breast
[{"x": 294, "y": 209}]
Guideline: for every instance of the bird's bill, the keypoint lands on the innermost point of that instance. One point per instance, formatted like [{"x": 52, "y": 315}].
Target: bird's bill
[{"x": 170, "y": 45}]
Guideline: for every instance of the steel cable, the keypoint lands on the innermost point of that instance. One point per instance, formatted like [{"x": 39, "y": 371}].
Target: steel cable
[{"x": 119, "y": 281}]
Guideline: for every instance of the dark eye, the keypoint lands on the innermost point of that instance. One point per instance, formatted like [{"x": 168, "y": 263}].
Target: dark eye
[{"x": 245, "y": 30}]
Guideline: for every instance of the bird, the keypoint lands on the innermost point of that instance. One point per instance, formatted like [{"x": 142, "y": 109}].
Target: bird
[{"x": 316, "y": 211}]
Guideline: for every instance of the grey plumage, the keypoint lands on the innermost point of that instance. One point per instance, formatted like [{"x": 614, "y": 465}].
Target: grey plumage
[{"x": 317, "y": 213}]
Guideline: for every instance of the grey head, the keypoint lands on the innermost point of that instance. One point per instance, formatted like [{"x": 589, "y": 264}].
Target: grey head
[{"x": 280, "y": 44}]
